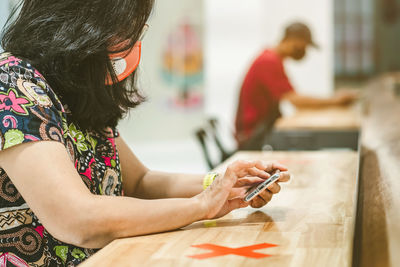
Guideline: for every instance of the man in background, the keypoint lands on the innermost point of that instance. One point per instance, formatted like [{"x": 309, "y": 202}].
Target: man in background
[{"x": 266, "y": 84}]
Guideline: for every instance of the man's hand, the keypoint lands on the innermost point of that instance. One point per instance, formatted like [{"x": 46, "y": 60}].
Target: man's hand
[{"x": 346, "y": 97}]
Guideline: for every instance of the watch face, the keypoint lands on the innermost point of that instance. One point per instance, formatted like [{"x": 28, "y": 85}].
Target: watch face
[{"x": 125, "y": 63}]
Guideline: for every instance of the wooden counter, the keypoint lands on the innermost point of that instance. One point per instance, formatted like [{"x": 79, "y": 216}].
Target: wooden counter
[
  {"x": 378, "y": 227},
  {"x": 337, "y": 118},
  {"x": 310, "y": 223},
  {"x": 314, "y": 129}
]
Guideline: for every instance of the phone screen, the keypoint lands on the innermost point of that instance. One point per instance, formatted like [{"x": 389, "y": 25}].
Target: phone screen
[{"x": 261, "y": 187}]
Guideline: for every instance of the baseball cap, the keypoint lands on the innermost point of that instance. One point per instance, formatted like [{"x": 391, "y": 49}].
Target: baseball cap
[{"x": 300, "y": 30}]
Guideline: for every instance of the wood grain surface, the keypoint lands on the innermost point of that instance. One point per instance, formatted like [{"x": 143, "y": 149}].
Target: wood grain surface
[
  {"x": 311, "y": 221},
  {"x": 337, "y": 118},
  {"x": 379, "y": 230}
]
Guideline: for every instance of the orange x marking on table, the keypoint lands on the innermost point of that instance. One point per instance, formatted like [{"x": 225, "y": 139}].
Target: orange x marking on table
[{"x": 217, "y": 251}]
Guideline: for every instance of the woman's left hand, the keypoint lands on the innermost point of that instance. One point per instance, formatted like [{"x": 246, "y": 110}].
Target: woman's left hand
[{"x": 256, "y": 176}]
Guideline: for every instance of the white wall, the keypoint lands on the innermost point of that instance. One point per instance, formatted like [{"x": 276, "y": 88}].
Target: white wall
[
  {"x": 162, "y": 137},
  {"x": 237, "y": 30},
  {"x": 314, "y": 75},
  {"x": 145, "y": 122},
  {"x": 232, "y": 38},
  {"x": 5, "y": 7},
  {"x": 3, "y": 14}
]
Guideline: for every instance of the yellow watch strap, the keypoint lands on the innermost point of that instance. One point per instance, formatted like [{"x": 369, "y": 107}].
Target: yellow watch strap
[{"x": 209, "y": 179}]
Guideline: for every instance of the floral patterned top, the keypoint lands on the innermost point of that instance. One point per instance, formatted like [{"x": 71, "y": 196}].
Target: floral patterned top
[{"x": 30, "y": 111}]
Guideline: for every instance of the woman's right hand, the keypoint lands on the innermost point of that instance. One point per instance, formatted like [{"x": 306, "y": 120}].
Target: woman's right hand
[{"x": 217, "y": 200}]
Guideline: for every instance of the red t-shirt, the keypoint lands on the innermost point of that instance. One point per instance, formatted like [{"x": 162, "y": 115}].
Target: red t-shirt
[{"x": 264, "y": 85}]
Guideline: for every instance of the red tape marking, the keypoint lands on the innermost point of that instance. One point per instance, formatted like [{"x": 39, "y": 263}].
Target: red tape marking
[{"x": 217, "y": 251}]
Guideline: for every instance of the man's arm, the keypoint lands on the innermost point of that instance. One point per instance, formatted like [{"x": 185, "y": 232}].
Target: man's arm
[{"x": 303, "y": 101}]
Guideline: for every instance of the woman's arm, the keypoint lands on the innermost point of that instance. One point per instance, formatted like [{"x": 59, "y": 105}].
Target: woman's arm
[
  {"x": 46, "y": 178},
  {"x": 144, "y": 183}
]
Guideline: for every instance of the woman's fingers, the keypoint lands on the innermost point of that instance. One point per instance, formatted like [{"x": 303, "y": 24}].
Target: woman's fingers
[
  {"x": 261, "y": 200},
  {"x": 249, "y": 181},
  {"x": 284, "y": 176},
  {"x": 272, "y": 166},
  {"x": 226, "y": 192},
  {"x": 259, "y": 173},
  {"x": 238, "y": 192},
  {"x": 242, "y": 168},
  {"x": 265, "y": 196},
  {"x": 230, "y": 205},
  {"x": 273, "y": 188}
]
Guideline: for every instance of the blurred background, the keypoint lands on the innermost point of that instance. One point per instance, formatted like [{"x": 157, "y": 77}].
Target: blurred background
[{"x": 196, "y": 53}]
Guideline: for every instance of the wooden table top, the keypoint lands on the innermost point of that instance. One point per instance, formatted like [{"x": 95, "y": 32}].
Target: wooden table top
[
  {"x": 311, "y": 222},
  {"x": 380, "y": 175},
  {"x": 337, "y": 118}
]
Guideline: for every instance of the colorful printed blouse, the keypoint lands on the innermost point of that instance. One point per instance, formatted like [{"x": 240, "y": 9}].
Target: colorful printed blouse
[{"x": 30, "y": 111}]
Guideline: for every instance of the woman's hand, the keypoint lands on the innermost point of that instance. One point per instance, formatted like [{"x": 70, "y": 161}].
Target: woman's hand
[
  {"x": 244, "y": 184},
  {"x": 227, "y": 192}
]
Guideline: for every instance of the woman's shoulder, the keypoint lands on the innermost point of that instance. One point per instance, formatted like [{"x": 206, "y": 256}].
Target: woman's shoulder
[
  {"x": 20, "y": 80},
  {"x": 29, "y": 109}
]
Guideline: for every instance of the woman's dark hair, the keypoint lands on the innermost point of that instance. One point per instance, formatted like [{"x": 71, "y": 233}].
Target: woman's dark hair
[{"x": 68, "y": 41}]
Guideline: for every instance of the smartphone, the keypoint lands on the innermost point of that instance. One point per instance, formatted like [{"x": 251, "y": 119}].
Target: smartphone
[{"x": 253, "y": 192}]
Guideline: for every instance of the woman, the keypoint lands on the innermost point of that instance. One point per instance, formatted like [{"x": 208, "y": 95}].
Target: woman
[{"x": 61, "y": 158}]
